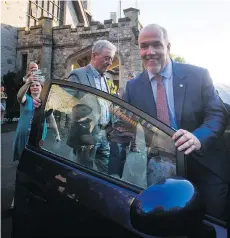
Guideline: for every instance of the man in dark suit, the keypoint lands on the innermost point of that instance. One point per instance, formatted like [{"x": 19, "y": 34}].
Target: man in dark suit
[
  {"x": 92, "y": 75},
  {"x": 183, "y": 97}
]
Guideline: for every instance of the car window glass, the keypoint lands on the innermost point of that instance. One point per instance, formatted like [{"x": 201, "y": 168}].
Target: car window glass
[
  {"x": 224, "y": 92},
  {"x": 107, "y": 138}
]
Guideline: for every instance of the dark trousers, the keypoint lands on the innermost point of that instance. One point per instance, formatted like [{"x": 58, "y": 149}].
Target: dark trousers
[
  {"x": 213, "y": 190},
  {"x": 98, "y": 154},
  {"x": 118, "y": 153}
]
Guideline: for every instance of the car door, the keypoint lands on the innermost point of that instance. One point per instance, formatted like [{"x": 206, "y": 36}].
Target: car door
[
  {"x": 224, "y": 94},
  {"x": 58, "y": 194}
]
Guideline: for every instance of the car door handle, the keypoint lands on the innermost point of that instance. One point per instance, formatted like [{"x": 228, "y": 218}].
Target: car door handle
[
  {"x": 35, "y": 193},
  {"x": 33, "y": 197}
]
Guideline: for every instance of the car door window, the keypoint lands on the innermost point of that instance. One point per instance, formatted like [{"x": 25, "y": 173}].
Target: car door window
[{"x": 105, "y": 137}]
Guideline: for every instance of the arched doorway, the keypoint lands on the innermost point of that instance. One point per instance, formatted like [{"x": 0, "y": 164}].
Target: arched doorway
[
  {"x": 78, "y": 63},
  {"x": 79, "y": 59}
]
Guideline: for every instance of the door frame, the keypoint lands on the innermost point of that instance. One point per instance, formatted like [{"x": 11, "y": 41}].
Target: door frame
[{"x": 39, "y": 116}]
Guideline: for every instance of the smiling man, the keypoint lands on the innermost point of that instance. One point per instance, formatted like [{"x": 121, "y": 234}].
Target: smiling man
[{"x": 182, "y": 96}]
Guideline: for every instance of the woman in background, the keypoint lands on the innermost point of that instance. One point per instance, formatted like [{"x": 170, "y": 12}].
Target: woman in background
[
  {"x": 30, "y": 90},
  {"x": 34, "y": 88}
]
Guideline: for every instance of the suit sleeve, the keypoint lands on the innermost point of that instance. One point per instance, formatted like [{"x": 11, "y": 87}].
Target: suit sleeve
[
  {"x": 126, "y": 95},
  {"x": 215, "y": 120},
  {"x": 73, "y": 77}
]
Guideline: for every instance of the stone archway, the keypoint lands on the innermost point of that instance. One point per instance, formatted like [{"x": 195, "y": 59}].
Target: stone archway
[{"x": 78, "y": 59}]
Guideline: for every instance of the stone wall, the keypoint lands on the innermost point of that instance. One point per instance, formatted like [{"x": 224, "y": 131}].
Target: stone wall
[
  {"x": 37, "y": 44},
  {"x": 13, "y": 15},
  {"x": 30, "y": 43},
  {"x": 69, "y": 42},
  {"x": 66, "y": 44}
]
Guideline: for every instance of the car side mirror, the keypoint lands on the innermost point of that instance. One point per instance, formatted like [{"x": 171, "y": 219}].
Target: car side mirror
[{"x": 170, "y": 208}]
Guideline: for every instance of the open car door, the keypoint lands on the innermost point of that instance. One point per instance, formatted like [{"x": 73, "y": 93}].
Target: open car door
[{"x": 79, "y": 187}]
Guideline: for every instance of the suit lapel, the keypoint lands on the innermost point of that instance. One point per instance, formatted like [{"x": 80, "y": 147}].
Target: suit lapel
[
  {"x": 179, "y": 90},
  {"x": 146, "y": 95},
  {"x": 90, "y": 77}
]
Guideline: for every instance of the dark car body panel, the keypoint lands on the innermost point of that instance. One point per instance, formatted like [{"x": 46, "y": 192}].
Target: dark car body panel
[
  {"x": 55, "y": 197},
  {"x": 53, "y": 190}
]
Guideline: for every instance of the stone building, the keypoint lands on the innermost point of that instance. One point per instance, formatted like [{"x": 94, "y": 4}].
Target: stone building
[
  {"x": 26, "y": 14},
  {"x": 62, "y": 47}
]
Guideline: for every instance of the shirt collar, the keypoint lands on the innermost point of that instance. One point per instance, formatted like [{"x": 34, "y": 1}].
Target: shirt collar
[
  {"x": 95, "y": 72},
  {"x": 166, "y": 72}
]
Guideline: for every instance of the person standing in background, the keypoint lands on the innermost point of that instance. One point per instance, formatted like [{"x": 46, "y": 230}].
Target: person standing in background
[
  {"x": 30, "y": 90},
  {"x": 31, "y": 68},
  {"x": 3, "y": 103},
  {"x": 93, "y": 75}
]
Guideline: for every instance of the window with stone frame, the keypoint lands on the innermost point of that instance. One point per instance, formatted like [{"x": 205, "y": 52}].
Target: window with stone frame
[{"x": 53, "y": 9}]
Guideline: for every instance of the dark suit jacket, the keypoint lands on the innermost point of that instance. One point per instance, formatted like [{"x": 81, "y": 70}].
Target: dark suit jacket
[{"x": 198, "y": 109}]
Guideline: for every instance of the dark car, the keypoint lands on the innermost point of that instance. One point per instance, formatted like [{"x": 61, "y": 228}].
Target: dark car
[
  {"x": 224, "y": 93},
  {"x": 59, "y": 194}
]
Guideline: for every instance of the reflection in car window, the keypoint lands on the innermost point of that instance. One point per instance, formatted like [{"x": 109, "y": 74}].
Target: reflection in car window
[{"x": 109, "y": 139}]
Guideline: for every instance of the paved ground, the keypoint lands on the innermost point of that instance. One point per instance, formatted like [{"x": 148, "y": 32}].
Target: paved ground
[{"x": 8, "y": 171}]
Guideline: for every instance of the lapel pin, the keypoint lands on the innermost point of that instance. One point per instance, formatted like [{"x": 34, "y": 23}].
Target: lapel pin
[{"x": 181, "y": 85}]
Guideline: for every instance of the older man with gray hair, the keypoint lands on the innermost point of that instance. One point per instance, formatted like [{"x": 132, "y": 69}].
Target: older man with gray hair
[{"x": 92, "y": 75}]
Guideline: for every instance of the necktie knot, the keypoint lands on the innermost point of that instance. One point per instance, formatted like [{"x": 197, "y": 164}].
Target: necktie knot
[{"x": 158, "y": 78}]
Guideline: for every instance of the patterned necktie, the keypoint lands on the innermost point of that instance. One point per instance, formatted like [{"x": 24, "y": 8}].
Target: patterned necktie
[{"x": 161, "y": 101}]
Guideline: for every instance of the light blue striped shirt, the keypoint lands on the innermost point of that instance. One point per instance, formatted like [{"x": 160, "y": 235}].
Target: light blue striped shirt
[
  {"x": 101, "y": 85},
  {"x": 167, "y": 80}
]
